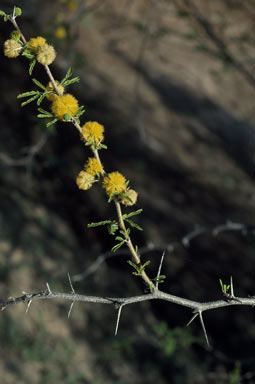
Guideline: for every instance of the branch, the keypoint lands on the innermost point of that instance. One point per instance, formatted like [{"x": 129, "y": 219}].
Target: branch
[{"x": 119, "y": 302}]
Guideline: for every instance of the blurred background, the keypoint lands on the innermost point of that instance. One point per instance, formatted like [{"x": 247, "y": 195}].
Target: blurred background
[{"x": 173, "y": 82}]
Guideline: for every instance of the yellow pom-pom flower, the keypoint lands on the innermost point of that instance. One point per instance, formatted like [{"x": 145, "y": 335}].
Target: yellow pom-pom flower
[
  {"x": 65, "y": 104},
  {"x": 52, "y": 94},
  {"x": 35, "y": 43},
  {"x": 12, "y": 48},
  {"x": 130, "y": 198},
  {"x": 46, "y": 54},
  {"x": 85, "y": 180},
  {"x": 114, "y": 183},
  {"x": 93, "y": 131},
  {"x": 93, "y": 166},
  {"x": 60, "y": 33}
]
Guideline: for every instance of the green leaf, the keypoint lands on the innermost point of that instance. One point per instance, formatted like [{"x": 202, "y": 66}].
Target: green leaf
[
  {"x": 29, "y": 100},
  {"x": 134, "y": 225},
  {"x": 26, "y": 53},
  {"x": 119, "y": 238},
  {"x": 71, "y": 81},
  {"x": 17, "y": 11},
  {"x": 80, "y": 111},
  {"x": 31, "y": 66},
  {"x": 117, "y": 246},
  {"x": 45, "y": 112},
  {"x": 124, "y": 233},
  {"x": 40, "y": 85},
  {"x": 103, "y": 146},
  {"x": 88, "y": 143},
  {"x": 68, "y": 74},
  {"x": 126, "y": 216},
  {"x": 97, "y": 224},
  {"x": 26, "y": 94},
  {"x": 51, "y": 122},
  {"x": 2, "y": 13},
  {"x": 41, "y": 116},
  {"x": 43, "y": 95},
  {"x": 145, "y": 265},
  {"x": 113, "y": 227},
  {"x": 136, "y": 267}
]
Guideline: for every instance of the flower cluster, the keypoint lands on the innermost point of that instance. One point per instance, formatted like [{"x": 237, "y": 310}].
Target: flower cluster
[
  {"x": 64, "y": 106},
  {"x": 45, "y": 53},
  {"x": 114, "y": 183},
  {"x": 35, "y": 43},
  {"x": 84, "y": 180},
  {"x": 93, "y": 166},
  {"x": 12, "y": 48},
  {"x": 93, "y": 132}
]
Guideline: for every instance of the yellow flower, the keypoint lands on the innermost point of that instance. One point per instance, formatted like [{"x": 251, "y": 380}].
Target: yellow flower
[
  {"x": 46, "y": 54},
  {"x": 114, "y": 183},
  {"x": 84, "y": 180},
  {"x": 93, "y": 131},
  {"x": 65, "y": 104},
  {"x": 12, "y": 48},
  {"x": 130, "y": 198},
  {"x": 61, "y": 33},
  {"x": 72, "y": 5},
  {"x": 35, "y": 43},
  {"x": 52, "y": 95},
  {"x": 93, "y": 166}
]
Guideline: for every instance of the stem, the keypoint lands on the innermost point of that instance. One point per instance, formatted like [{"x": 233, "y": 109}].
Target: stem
[
  {"x": 130, "y": 245},
  {"x": 131, "y": 248},
  {"x": 13, "y": 21}
]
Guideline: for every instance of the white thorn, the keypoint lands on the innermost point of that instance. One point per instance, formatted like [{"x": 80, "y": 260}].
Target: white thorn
[
  {"x": 28, "y": 305},
  {"x": 70, "y": 282},
  {"x": 160, "y": 266},
  {"x": 231, "y": 287},
  {"x": 193, "y": 318},
  {"x": 70, "y": 310},
  {"x": 118, "y": 320},
  {"x": 48, "y": 287},
  {"x": 203, "y": 327}
]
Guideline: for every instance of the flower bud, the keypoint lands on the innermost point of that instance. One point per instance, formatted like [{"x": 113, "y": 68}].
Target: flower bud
[
  {"x": 46, "y": 54},
  {"x": 84, "y": 180},
  {"x": 12, "y": 48},
  {"x": 129, "y": 198}
]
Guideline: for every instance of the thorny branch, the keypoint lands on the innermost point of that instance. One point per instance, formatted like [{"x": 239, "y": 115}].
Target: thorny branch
[{"x": 119, "y": 302}]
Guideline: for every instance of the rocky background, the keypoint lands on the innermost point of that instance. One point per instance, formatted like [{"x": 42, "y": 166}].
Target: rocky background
[{"x": 173, "y": 82}]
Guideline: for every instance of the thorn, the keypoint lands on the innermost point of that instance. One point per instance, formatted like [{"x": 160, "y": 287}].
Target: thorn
[
  {"x": 203, "y": 327},
  {"x": 193, "y": 318},
  {"x": 70, "y": 310},
  {"x": 159, "y": 268},
  {"x": 48, "y": 288},
  {"x": 71, "y": 285},
  {"x": 231, "y": 287},
  {"x": 28, "y": 305},
  {"x": 118, "y": 320}
]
